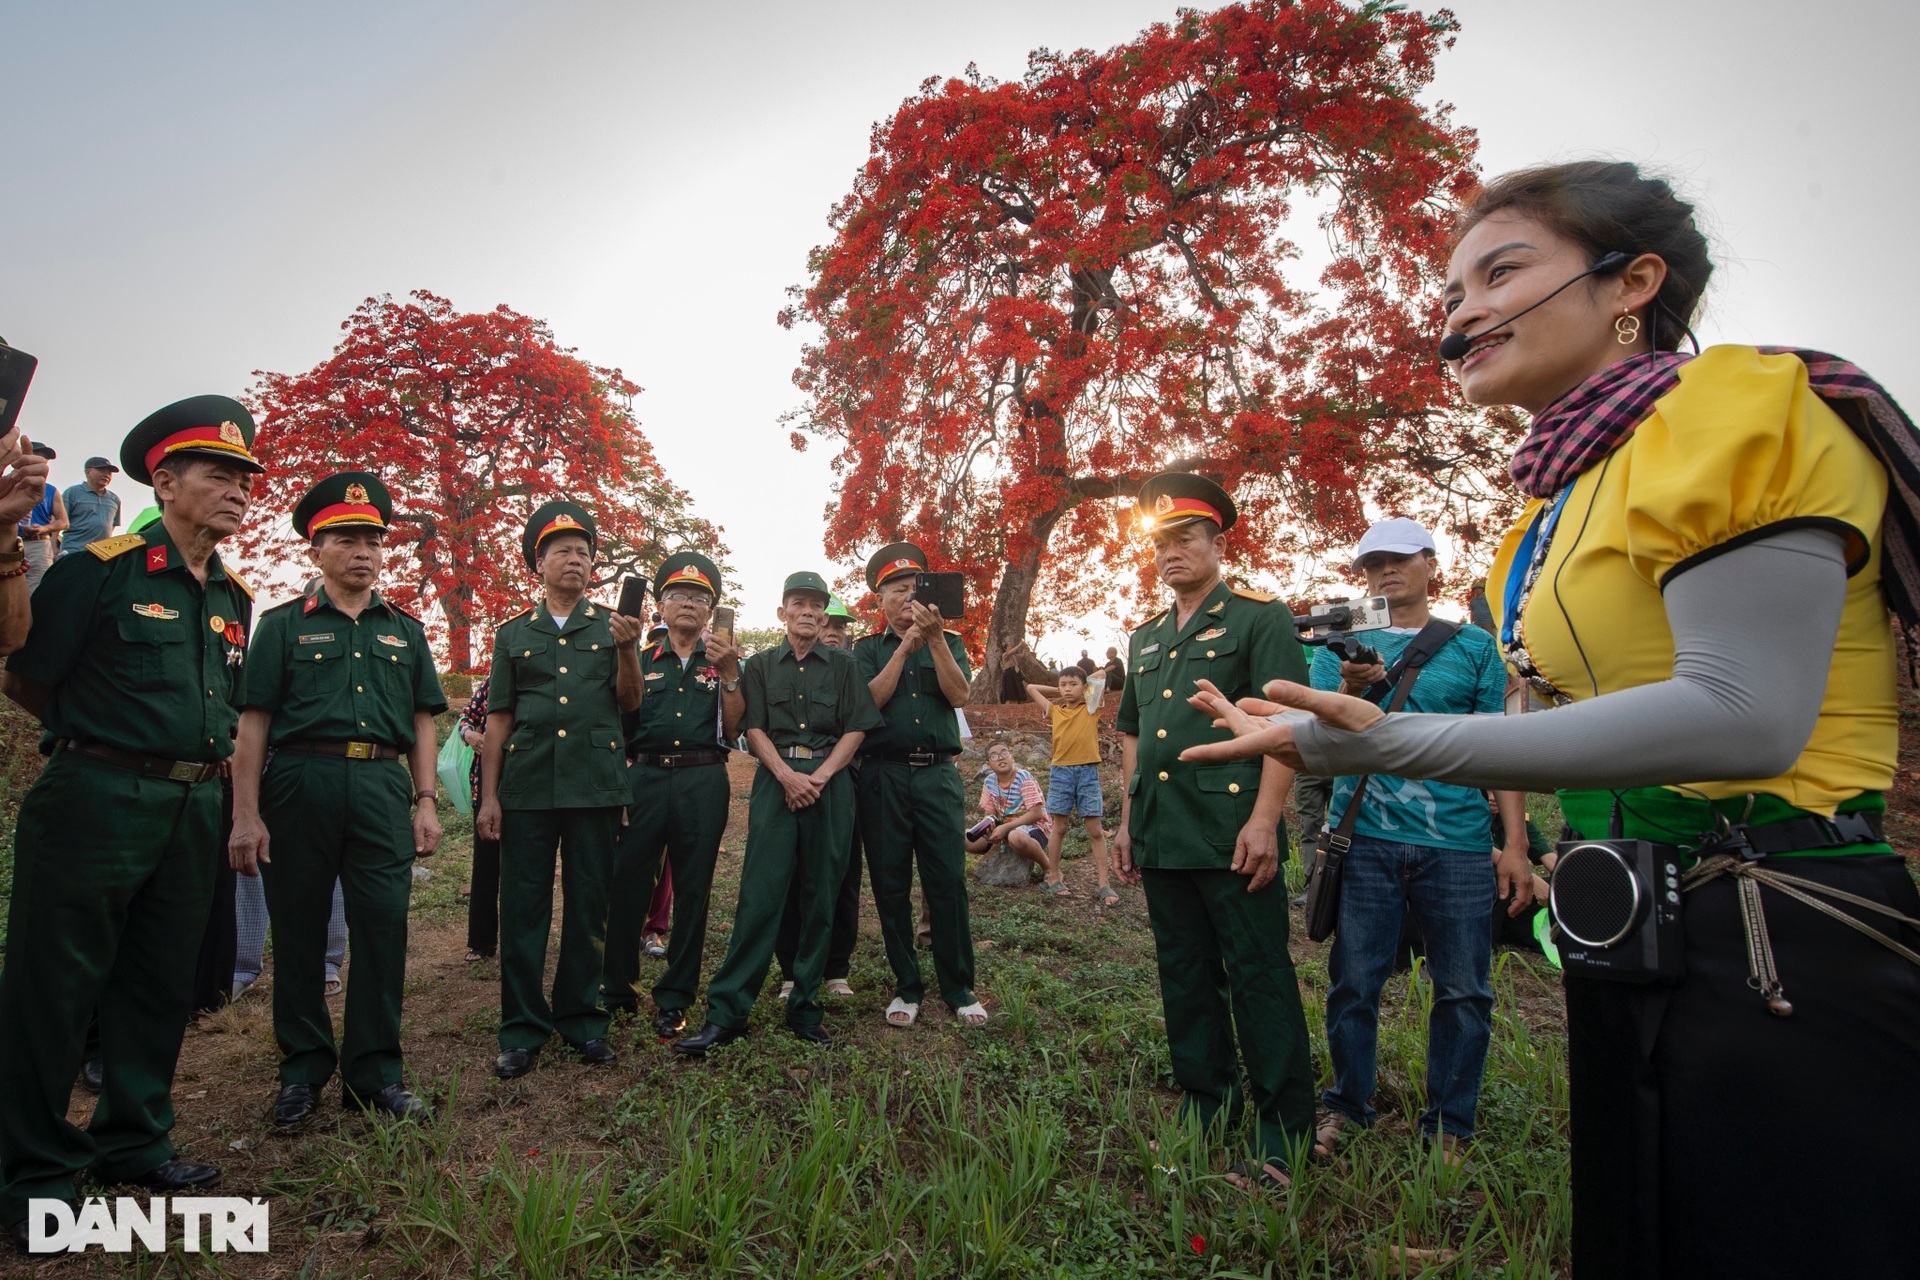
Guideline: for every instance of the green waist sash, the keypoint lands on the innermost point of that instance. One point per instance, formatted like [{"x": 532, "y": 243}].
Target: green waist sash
[{"x": 1673, "y": 817}]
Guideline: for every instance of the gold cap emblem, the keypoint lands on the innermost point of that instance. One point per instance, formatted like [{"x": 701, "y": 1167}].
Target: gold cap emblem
[
  {"x": 565, "y": 521},
  {"x": 1162, "y": 504},
  {"x": 357, "y": 493},
  {"x": 231, "y": 434}
]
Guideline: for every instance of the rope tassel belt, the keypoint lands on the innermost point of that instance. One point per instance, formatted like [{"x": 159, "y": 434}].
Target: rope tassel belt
[{"x": 1762, "y": 973}]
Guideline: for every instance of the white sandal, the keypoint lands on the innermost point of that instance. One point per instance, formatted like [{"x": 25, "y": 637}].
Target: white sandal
[
  {"x": 839, "y": 987},
  {"x": 901, "y": 1007},
  {"x": 973, "y": 1015},
  {"x": 786, "y": 989}
]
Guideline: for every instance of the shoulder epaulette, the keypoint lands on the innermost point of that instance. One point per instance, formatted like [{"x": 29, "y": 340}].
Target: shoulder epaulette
[
  {"x": 1155, "y": 618},
  {"x": 1248, "y": 593},
  {"x": 240, "y": 582},
  {"x": 108, "y": 548},
  {"x": 516, "y": 617}
]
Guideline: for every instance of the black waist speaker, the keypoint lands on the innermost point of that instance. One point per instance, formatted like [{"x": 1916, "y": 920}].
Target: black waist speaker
[
  {"x": 16, "y": 371},
  {"x": 1616, "y": 910}
]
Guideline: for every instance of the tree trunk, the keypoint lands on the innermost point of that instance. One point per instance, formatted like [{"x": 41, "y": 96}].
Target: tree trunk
[
  {"x": 458, "y": 608},
  {"x": 1007, "y": 626}
]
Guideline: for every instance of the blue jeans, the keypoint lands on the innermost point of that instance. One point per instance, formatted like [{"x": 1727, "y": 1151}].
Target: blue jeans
[{"x": 1451, "y": 892}]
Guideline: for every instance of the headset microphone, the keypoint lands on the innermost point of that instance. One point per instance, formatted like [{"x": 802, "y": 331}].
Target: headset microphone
[{"x": 1455, "y": 345}]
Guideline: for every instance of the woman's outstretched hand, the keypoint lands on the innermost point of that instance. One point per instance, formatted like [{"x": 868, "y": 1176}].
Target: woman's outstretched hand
[{"x": 1254, "y": 734}]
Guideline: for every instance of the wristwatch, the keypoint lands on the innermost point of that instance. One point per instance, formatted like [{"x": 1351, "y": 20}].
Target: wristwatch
[{"x": 731, "y": 686}]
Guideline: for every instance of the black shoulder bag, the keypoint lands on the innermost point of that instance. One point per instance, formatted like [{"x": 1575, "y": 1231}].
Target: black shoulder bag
[{"x": 1330, "y": 853}]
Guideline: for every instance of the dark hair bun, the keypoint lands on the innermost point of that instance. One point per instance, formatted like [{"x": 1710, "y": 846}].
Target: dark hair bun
[{"x": 1606, "y": 206}]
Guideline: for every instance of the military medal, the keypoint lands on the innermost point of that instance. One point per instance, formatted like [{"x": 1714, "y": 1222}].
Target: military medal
[
  {"x": 159, "y": 611},
  {"x": 217, "y": 623},
  {"x": 1213, "y": 633}
]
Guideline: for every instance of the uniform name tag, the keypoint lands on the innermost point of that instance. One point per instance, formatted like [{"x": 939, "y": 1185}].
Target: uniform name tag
[
  {"x": 156, "y": 611},
  {"x": 1152, "y": 648},
  {"x": 395, "y": 641},
  {"x": 322, "y": 638}
]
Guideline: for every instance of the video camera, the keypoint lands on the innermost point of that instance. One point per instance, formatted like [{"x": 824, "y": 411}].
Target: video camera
[{"x": 1333, "y": 625}]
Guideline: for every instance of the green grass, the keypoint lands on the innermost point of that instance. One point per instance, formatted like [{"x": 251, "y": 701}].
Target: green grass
[{"x": 1046, "y": 1145}]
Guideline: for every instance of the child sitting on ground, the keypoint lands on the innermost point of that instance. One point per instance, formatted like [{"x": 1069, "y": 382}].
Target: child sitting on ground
[
  {"x": 1073, "y": 782},
  {"x": 1011, "y": 800}
]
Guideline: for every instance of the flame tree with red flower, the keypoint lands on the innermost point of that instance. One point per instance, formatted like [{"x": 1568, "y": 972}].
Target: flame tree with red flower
[
  {"x": 1039, "y": 293},
  {"x": 472, "y": 420}
]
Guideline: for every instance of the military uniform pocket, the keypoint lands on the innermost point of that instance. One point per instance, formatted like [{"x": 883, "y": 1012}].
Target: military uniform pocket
[
  {"x": 1227, "y": 794},
  {"x": 148, "y": 656},
  {"x": 530, "y": 665}
]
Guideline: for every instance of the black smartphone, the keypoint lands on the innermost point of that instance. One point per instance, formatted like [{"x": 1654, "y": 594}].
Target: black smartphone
[
  {"x": 633, "y": 597},
  {"x": 16, "y": 371},
  {"x": 946, "y": 592}
]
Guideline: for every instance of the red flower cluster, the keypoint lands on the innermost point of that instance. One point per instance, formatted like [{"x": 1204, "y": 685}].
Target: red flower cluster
[{"x": 1039, "y": 293}]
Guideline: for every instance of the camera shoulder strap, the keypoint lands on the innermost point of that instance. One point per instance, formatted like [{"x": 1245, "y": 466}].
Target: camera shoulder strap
[{"x": 1432, "y": 638}]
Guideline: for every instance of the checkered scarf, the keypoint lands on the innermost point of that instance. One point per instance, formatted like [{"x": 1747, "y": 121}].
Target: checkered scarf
[{"x": 1592, "y": 420}]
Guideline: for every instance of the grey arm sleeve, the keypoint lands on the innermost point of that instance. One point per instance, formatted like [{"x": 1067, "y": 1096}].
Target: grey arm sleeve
[{"x": 1753, "y": 635}]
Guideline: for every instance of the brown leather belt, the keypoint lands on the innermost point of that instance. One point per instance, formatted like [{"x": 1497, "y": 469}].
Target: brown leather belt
[
  {"x": 145, "y": 766},
  {"x": 680, "y": 759},
  {"x": 351, "y": 750}
]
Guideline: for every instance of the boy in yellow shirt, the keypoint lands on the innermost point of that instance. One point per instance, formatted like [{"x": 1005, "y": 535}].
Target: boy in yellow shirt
[{"x": 1073, "y": 780}]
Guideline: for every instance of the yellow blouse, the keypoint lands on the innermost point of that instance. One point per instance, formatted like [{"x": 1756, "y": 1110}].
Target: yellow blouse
[{"x": 1740, "y": 450}]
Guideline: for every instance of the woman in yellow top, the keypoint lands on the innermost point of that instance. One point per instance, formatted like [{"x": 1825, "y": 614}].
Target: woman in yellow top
[{"x": 1696, "y": 590}]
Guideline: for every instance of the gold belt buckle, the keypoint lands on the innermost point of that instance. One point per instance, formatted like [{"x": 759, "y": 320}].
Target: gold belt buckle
[
  {"x": 184, "y": 771},
  {"x": 363, "y": 750},
  {"x": 802, "y": 753}
]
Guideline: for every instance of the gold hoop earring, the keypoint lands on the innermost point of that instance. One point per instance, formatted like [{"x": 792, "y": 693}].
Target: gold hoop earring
[{"x": 1626, "y": 330}]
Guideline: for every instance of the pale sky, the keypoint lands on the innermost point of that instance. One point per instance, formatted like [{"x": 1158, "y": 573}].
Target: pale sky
[{"x": 194, "y": 191}]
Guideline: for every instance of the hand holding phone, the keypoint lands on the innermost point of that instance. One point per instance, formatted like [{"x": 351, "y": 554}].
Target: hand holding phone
[{"x": 633, "y": 597}]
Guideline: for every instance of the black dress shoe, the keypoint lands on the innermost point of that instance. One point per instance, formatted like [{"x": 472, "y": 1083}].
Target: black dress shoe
[
  {"x": 669, "y": 1023},
  {"x": 711, "y": 1036},
  {"x": 395, "y": 1100},
  {"x": 812, "y": 1033},
  {"x": 595, "y": 1053},
  {"x": 178, "y": 1175},
  {"x": 514, "y": 1063},
  {"x": 93, "y": 1074},
  {"x": 295, "y": 1105}
]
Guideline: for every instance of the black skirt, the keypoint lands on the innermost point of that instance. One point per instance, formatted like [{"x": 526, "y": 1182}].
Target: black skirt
[{"x": 1713, "y": 1138}]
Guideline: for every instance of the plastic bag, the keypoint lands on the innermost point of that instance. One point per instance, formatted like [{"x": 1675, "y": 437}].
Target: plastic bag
[{"x": 456, "y": 762}]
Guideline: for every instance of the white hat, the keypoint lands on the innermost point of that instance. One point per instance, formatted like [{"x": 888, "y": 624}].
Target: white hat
[{"x": 1399, "y": 535}]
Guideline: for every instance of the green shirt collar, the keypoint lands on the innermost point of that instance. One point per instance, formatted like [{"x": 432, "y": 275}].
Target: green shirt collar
[
  {"x": 163, "y": 554},
  {"x": 1211, "y": 610},
  {"x": 317, "y": 597}
]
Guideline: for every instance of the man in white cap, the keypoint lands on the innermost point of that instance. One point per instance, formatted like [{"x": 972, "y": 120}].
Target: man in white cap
[{"x": 1419, "y": 843}]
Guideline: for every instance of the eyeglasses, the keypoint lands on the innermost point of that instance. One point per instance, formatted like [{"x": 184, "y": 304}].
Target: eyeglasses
[{"x": 686, "y": 597}]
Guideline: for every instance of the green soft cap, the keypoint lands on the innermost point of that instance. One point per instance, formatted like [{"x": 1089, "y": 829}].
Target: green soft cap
[{"x": 806, "y": 580}]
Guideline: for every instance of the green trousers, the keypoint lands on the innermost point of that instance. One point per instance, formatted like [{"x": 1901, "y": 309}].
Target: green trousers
[
  {"x": 905, "y": 812},
  {"x": 332, "y": 818},
  {"x": 781, "y": 843},
  {"x": 1225, "y": 968},
  {"x": 681, "y": 813},
  {"x": 112, "y": 881},
  {"x": 529, "y": 840}
]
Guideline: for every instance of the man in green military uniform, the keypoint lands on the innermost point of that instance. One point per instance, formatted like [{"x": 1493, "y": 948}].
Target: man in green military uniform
[
  {"x": 341, "y": 685},
  {"x": 553, "y": 779},
  {"x": 677, "y": 792},
  {"x": 911, "y": 798},
  {"x": 807, "y": 710},
  {"x": 846, "y": 899},
  {"x": 133, "y": 665},
  {"x": 1207, "y": 839}
]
